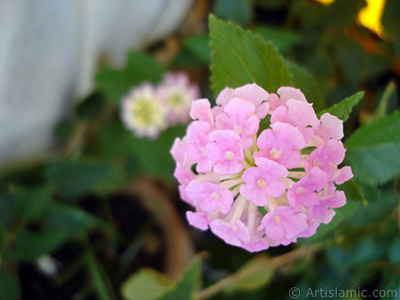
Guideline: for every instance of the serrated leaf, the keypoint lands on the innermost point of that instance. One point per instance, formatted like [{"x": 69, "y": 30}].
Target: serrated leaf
[
  {"x": 77, "y": 177},
  {"x": 343, "y": 109},
  {"x": 116, "y": 83},
  {"x": 373, "y": 151},
  {"x": 185, "y": 287},
  {"x": 240, "y": 57},
  {"x": 246, "y": 279},
  {"x": 146, "y": 284},
  {"x": 304, "y": 81}
]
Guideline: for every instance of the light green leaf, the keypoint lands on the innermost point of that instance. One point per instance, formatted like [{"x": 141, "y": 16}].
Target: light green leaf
[
  {"x": 146, "y": 284},
  {"x": 186, "y": 286},
  {"x": 374, "y": 150},
  {"x": 240, "y": 57},
  {"x": 343, "y": 109},
  {"x": 246, "y": 279},
  {"x": 304, "y": 81},
  {"x": 77, "y": 177}
]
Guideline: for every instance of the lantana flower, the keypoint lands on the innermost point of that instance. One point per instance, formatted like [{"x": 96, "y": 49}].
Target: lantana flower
[
  {"x": 147, "y": 109},
  {"x": 143, "y": 113},
  {"x": 260, "y": 187},
  {"x": 177, "y": 93}
]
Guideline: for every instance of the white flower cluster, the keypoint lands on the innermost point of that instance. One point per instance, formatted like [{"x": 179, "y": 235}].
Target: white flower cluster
[{"x": 147, "y": 109}]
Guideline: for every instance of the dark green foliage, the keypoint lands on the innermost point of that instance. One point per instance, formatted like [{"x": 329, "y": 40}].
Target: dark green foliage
[
  {"x": 374, "y": 150},
  {"x": 117, "y": 83}
]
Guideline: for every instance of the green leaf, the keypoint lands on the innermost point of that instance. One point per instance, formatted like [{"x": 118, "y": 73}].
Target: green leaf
[
  {"x": 146, "y": 284},
  {"x": 391, "y": 286},
  {"x": 9, "y": 286},
  {"x": 240, "y": 57},
  {"x": 32, "y": 244},
  {"x": 375, "y": 210},
  {"x": 148, "y": 155},
  {"x": 32, "y": 203},
  {"x": 117, "y": 83},
  {"x": 185, "y": 287},
  {"x": 388, "y": 96},
  {"x": 101, "y": 284},
  {"x": 199, "y": 47},
  {"x": 341, "y": 13},
  {"x": 351, "y": 59},
  {"x": 246, "y": 279},
  {"x": 390, "y": 18},
  {"x": 374, "y": 150},
  {"x": 343, "y": 109},
  {"x": 90, "y": 107},
  {"x": 77, "y": 177},
  {"x": 282, "y": 39},
  {"x": 270, "y": 4},
  {"x": 187, "y": 60},
  {"x": 394, "y": 250},
  {"x": 359, "y": 254},
  {"x": 236, "y": 11},
  {"x": 7, "y": 206},
  {"x": 73, "y": 222},
  {"x": 303, "y": 80}
]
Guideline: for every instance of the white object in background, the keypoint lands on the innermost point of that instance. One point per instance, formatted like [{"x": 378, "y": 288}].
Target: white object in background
[{"x": 48, "y": 56}]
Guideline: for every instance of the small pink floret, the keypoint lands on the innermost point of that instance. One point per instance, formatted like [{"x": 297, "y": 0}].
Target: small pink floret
[{"x": 255, "y": 188}]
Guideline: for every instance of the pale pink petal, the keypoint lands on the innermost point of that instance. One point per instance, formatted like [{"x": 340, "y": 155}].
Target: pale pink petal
[{"x": 198, "y": 220}]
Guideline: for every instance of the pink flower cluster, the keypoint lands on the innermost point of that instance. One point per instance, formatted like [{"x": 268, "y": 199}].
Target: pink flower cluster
[
  {"x": 148, "y": 109},
  {"x": 254, "y": 187}
]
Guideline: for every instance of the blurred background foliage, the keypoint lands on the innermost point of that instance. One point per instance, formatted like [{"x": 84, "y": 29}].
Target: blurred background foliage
[{"x": 103, "y": 219}]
